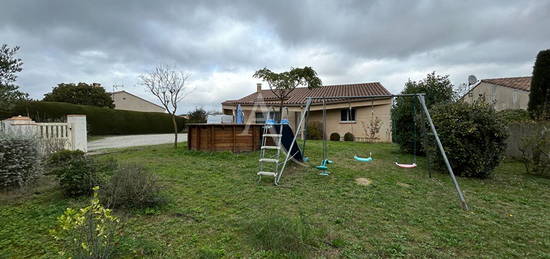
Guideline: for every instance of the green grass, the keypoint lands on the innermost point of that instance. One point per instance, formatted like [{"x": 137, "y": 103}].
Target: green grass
[{"x": 217, "y": 209}]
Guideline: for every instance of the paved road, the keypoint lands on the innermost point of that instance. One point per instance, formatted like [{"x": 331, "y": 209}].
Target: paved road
[{"x": 134, "y": 140}]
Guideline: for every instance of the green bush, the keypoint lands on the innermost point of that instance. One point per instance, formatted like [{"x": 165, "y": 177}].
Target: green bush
[
  {"x": 19, "y": 160},
  {"x": 473, "y": 137},
  {"x": 102, "y": 121},
  {"x": 132, "y": 186},
  {"x": 349, "y": 137},
  {"x": 515, "y": 115},
  {"x": 77, "y": 174},
  {"x": 335, "y": 136},
  {"x": 314, "y": 130}
]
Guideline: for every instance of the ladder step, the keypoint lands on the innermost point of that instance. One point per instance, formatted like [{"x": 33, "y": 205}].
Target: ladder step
[
  {"x": 267, "y": 173},
  {"x": 271, "y": 147},
  {"x": 269, "y": 160},
  {"x": 273, "y": 135}
]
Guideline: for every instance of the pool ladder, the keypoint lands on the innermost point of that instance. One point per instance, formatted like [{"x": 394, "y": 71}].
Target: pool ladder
[{"x": 266, "y": 156}]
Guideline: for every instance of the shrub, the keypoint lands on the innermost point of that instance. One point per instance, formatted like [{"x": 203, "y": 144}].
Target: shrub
[
  {"x": 77, "y": 174},
  {"x": 289, "y": 237},
  {"x": 314, "y": 130},
  {"x": 472, "y": 135},
  {"x": 515, "y": 115},
  {"x": 89, "y": 232},
  {"x": 199, "y": 115},
  {"x": 335, "y": 136},
  {"x": 349, "y": 137},
  {"x": 132, "y": 186},
  {"x": 102, "y": 121},
  {"x": 19, "y": 160},
  {"x": 438, "y": 89},
  {"x": 535, "y": 151}
]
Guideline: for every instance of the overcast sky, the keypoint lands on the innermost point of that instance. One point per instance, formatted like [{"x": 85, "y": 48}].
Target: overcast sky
[{"x": 222, "y": 43}]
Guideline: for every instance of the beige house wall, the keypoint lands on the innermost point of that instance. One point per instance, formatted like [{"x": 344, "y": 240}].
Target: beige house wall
[
  {"x": 364, "y": 118},
  {"x": 501, "y": 97},
  {"x": 126, "y": 101}
]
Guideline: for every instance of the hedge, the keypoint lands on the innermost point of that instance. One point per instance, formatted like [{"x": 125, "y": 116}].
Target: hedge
[{"x": 101, "y": 121}]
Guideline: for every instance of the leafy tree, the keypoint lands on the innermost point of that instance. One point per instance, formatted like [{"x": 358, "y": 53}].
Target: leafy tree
[
  {"x": 81, "y": 93},
  {"x": 199, "y": 115},
  {"x": 282, "y": 84},
  {"x": 169, "y": 86},
  {"x": 539, "y": 97},
  {"x": 438, "y": 89},
  {"x": 9, "y": 67}
]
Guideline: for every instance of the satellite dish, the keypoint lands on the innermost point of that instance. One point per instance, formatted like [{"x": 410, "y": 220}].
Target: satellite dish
[{"x": 472, "y": 79}]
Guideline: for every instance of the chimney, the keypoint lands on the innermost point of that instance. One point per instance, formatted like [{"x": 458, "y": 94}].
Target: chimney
[{"x": 258, "y": 87}]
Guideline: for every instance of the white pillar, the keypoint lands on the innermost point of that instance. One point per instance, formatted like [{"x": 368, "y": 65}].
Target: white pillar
[{"x": 79, "y": 133}]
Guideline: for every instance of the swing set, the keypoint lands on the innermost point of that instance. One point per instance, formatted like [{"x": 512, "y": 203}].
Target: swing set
[{"x": 325, "y": 162}]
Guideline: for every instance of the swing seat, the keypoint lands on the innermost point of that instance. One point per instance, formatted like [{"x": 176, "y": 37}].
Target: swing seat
[
  {"x": 413, "y": 165},
  {"x": 321, "y": 167},
  {"x": 363, "y": 159}
]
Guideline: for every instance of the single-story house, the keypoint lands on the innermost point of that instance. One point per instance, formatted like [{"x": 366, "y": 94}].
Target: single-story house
[
  {"x": 365, "y": 119},
  {"x": 127, "y": 101},
  {"x": 502, "y": 93}
]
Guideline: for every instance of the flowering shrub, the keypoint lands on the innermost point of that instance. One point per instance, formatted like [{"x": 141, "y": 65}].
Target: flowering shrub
[
  {"x": 88, "y": 232},
  {"x": 19, "y": 160}
]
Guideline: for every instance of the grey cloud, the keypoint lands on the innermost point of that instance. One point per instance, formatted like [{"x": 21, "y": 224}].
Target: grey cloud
[{"x": 113, "y": 41}]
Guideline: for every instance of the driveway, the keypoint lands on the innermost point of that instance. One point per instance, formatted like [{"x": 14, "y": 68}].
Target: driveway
[{"x": 133, "y": 141}]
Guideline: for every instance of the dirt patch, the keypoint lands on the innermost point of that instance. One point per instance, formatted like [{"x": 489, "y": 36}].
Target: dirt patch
[
  {"x": 404, "y": 184},
  {"x": 363, "y": 181}
]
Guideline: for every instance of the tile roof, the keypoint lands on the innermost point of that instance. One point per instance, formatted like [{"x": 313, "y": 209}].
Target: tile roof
[
  {"x": 521, "y": 83},
  {"x": 299, "y": 95}
]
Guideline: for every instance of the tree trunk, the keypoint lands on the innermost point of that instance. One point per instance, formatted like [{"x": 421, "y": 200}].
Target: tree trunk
[{"x": 175, "y": 130}]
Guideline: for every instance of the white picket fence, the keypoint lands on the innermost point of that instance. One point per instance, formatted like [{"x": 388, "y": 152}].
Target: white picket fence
[
  {"x": 71, "y": 135},
  {"x": 58, "y": 132}
]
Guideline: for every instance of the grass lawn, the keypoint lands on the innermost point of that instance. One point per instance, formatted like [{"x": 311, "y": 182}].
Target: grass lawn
[{"x": 216, "y": 209}]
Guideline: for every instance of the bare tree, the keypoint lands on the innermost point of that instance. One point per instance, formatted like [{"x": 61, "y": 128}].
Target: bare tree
[{"x": 168, "y": 85}]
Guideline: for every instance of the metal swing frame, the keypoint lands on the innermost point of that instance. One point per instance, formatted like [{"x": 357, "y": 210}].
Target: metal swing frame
[{"x": 422, "y": 99}]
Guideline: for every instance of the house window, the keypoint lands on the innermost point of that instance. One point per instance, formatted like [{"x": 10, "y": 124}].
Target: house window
[
  {"x": 347, "y": 115},
  {"x": 494, "y": 93},
  {"x": 261, "y": 117}
]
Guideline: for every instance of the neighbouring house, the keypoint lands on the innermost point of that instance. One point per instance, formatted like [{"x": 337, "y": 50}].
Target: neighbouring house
[
  {"x": 365, "y": 119},
  {"x": 127, "y": 101},
  {"x": 502, "y": 93}
]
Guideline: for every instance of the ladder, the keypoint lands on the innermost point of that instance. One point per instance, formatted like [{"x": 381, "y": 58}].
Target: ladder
[
  {"x": 269, "y": 155},
  {"x": 279, "y": 166}
]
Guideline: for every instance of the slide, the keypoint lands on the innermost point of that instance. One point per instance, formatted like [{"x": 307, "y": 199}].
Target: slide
[{"x": 288, "y": 136}]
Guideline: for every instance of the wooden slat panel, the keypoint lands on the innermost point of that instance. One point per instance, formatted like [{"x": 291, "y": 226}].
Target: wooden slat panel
[{"x": 216, "y": 137}]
